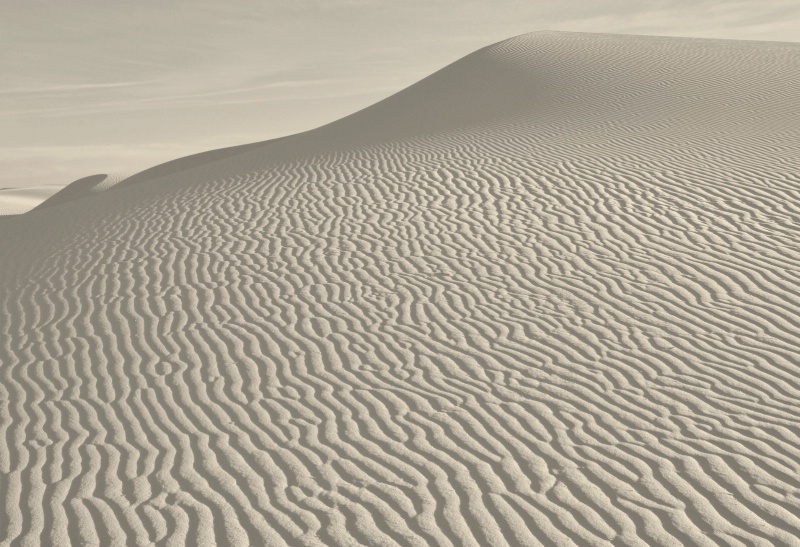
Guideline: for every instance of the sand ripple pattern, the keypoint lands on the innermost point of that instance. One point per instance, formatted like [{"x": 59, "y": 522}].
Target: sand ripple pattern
[{"x": 574, "y": 320}]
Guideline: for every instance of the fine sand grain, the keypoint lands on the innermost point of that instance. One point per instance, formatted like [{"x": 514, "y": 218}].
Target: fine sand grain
[{"x": 549, "y": 295}]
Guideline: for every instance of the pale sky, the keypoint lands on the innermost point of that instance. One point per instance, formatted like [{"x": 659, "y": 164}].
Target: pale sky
[{"x": 100, "y": 86}]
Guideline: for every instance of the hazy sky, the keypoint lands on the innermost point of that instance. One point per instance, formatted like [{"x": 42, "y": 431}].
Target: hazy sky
[{"x": 97, "y": 86}]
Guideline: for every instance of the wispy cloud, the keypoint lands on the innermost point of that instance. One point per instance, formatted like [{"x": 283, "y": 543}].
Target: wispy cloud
[
  {"x": 70, "y": 87},
  {"x": 288, "y": 92}
]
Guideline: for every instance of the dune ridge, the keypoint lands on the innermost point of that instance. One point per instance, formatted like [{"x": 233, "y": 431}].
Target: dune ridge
[{"x": 547, "y": 296}]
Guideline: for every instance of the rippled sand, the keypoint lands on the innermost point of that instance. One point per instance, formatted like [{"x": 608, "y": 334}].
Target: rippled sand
[{"x": 549, "y": 295}]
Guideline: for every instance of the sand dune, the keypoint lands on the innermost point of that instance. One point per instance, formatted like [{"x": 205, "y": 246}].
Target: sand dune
[
  {"x": 15, "y": 201},
  {"x": 81, "y": 188},
  {"x": 549, "y": 295}
]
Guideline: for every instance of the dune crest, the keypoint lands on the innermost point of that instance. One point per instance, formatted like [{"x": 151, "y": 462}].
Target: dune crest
[{"x": 549, "y": 295}]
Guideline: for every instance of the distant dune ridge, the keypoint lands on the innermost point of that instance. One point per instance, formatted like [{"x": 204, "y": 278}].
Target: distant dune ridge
[
  {"x": 15, "y": 201},
  {"x": 549, "y": 295},
  {"x": 84, "y": 187}
]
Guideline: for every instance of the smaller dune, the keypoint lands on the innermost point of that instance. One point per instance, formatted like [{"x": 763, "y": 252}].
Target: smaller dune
[
  {"x": 80, "y": 188},
  {"x": 95, "y": 184},
  {"x": 15, "y": 201}
]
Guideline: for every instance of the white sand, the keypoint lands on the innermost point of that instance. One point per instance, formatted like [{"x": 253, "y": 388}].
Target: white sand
[{"x": 548, "y": 296}]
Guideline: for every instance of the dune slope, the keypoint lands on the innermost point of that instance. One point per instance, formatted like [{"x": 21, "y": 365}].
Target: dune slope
[{"x": 549, "y": 295}]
